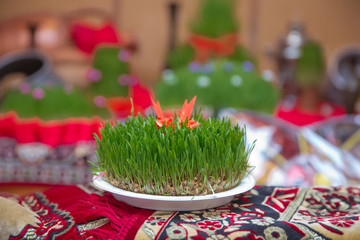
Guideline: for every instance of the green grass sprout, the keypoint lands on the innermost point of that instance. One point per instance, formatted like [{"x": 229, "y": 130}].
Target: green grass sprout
[{"x": 138, "y": 156}]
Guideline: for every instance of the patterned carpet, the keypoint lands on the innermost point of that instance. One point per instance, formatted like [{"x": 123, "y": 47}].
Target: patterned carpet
[{"x": 79, "y": 212}]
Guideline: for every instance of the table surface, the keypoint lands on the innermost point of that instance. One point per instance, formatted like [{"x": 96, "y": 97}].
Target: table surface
[{"x": 261, "y": 213}]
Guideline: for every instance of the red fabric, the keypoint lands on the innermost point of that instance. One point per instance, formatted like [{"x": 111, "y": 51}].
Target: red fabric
[
  {"x": 26, "y": 132},
  {"x": 64, "y": 211},
  {"x": 121, "y": 106},
  {"x": 125, "y": 220},
  {"x": 265, "y": 212},
  {"x": 7, "y": 125},
  {"x": 141, "y": 96},
  {"x": 301, "y": 117},
  {"x": 205, "y": 46},
  {"x": 52, "y": 133},
  {"x": 87, "y": 37}
]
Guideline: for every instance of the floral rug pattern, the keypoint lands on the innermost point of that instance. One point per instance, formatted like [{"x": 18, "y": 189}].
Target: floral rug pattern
[
  {"x": 263, "y": 213},
  {"x": 266, "y": 213}
]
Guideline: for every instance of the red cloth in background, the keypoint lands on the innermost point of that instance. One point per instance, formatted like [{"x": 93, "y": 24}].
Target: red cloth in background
[
  {"x": 121, "y": 106},
  {"x": 52, "y": 133},
  {"x": 141, "y": 96},
  {"x": 290, "y": 110},
  {"x": 87, "y": 37},
  {"x": 72, "y": 130},
  {"x": 221, "y": 46}
]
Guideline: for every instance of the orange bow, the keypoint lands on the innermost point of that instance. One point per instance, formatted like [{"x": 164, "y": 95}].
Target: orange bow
[
  {"x": 184, "y": 114},
  {"x": 161, "y": 119},
  {"x": 205, "y": 46}
]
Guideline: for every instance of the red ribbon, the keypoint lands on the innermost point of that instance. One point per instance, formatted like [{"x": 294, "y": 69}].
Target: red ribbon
[
  {"x": 52, "y": 133},
  {"x": 185, "y": 113},
  {"x": 205, "y": 46}
]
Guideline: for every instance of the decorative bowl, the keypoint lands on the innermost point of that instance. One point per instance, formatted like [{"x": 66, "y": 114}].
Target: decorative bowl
[{"x": 175, "y": 203}]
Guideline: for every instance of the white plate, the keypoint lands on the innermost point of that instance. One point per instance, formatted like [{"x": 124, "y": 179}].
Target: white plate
[{"x": 175, "y": 203}]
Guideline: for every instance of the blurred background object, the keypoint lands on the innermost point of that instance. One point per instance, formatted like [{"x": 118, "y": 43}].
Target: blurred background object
[
  {"x": 213, "y": 66},
  {"x": 324, "y": 153},
  {"x": 285, "y": 56},
  {"x": 58, "y": 84},
  {"x": 343, "y": 85},
  {"x": 35, "y": 67},
  {"x": 330, "y": 22},
  {"x": 307, "y": 104},
  {"x": 102, "y": 56}
]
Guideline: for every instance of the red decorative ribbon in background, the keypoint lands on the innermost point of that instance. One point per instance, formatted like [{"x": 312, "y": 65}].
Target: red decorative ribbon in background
[
  {"x": 86, "y": 37},
  {"x": 121, "y": 106},
  {"x": 205, "y": 47},
  {"x": 52, "y": 133}
]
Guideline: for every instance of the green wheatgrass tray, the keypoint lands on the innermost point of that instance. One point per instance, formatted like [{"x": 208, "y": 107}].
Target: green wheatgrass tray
[
  {"x": 140, "y": 157},
  {"x": 236, "y": 88},
  {"x": 55, "y": 104}
]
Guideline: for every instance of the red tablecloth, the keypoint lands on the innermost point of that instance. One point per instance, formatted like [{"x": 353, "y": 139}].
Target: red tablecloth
[
  {"x": 290, "y": 110},
  {"x": 262, "y": 213}
]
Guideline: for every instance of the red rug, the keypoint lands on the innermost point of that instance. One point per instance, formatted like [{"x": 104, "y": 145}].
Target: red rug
[
  {"x": 72, "y": 212},
  {"x": 262, "y": 213}
]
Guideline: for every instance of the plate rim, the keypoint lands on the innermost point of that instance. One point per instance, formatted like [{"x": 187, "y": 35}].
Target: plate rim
[{"x": 246, "y": 184}]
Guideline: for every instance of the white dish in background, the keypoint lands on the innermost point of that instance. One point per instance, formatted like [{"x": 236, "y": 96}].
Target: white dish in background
[{"x": 175, "y": 203}]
